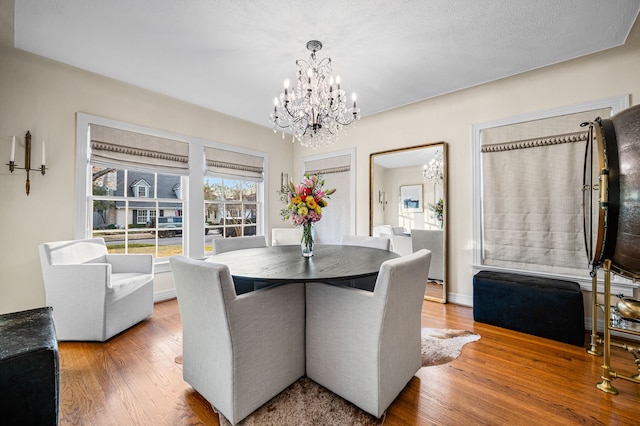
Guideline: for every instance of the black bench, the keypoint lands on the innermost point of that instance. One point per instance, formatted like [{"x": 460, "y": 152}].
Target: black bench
[
  {"x": 539, "y": 306},
  {"x": 29, "y": 378}
]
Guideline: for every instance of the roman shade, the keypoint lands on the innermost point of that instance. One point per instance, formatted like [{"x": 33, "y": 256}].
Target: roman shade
[
  {"x": 232, "y": 164},
  {"x": 336, "y": 172},
  {"x": 124, "y": 149},
  {"x": 532, "y": 194}
]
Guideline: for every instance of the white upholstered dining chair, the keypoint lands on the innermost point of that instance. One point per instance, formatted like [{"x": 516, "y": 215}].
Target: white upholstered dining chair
[
  {"x": 432, "y": 240},
  {"x": 95, "y": 295},
  {"x": 238, "y": 351},
  {"x": 222, "y": 245},
  {"x": 381, "y": 243},
  {"x": 285, "y": 236},
  {"x": 366, "y": 346}
]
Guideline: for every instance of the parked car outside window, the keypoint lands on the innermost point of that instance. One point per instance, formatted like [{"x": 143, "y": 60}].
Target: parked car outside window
[{"x": 169, "y": 226}]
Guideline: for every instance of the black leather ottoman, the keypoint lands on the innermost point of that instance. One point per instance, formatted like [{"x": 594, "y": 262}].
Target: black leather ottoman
[
  {"x": 540, "y": 306},
  {"x": 29, "y": 377}
]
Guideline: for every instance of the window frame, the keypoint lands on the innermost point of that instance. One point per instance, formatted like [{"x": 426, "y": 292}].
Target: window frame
[
  {"x": 617, "y": 104},
  {"x": 244, "y": 204},
  {"x": 192, "y": 194}
]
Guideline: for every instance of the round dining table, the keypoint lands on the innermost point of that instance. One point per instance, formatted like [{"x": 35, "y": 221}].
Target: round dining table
[{"x": 286, "y": 263}]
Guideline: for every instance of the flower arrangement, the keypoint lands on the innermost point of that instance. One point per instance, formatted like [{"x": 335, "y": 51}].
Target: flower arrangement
[
  {"x": 437, "y": 210},
  {"x": 304, "y": 204}
]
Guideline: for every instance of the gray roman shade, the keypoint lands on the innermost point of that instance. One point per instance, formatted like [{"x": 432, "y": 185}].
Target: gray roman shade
[
  {"x": 532, "y": 215},
  {"x": 130, "y": 150},
  {"x": 233, "y": 164}
]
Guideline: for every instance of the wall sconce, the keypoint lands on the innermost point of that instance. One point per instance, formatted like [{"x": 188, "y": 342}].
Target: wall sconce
[
  {"x": 27, "y": 159},
  {"x": 382, "y": 198},
  {"x": 284, "y": 182}
]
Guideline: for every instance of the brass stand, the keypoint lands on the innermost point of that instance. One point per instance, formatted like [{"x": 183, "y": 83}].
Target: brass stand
[
  {"x": 595, "y": 340},
  {"x": 608, "y": 374}
]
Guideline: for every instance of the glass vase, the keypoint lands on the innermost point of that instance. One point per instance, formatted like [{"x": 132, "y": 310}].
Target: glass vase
[{"x": 307, "y": 235}]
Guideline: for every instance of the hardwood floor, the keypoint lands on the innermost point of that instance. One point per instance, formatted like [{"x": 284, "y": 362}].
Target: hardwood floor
[{"x": 504, "y": 378}]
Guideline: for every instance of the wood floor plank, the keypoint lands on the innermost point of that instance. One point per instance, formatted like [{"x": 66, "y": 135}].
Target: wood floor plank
[{"x": 505, "y": 378}]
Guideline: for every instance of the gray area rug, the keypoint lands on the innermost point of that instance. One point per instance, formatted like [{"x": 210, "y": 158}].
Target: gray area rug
[{"x": 307, "y": 403}]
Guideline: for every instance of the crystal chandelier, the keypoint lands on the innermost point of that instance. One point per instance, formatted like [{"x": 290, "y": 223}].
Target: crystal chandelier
[
  {"x": 315, "y": 110},
  {"x": 435, "y": 169}
]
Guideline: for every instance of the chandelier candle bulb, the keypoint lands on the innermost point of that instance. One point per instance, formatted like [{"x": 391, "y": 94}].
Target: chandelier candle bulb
[
  {"x": 13, "y": 150},
  {"x": 43, "y": 156}
]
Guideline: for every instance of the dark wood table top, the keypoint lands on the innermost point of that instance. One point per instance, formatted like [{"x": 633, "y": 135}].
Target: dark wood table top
[{"x": 286, "y": 263}]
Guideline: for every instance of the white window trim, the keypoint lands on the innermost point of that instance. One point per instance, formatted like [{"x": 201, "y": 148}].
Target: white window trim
[
  {"x": 617, "y": 104},
  {"x": 193, "y": 231}
]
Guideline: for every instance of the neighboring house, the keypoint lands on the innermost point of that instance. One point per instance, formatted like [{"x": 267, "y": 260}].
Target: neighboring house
[{"x": 139, "y": 186}]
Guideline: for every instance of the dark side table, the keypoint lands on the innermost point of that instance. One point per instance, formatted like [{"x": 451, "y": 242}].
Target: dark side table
[{"x": 29, "y": 368}]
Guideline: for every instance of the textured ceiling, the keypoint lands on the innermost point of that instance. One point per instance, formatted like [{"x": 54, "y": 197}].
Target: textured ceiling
[{"x": 232, "y": 55}]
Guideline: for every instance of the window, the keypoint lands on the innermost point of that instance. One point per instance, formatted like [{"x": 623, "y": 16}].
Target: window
[
  {"x": 127, "y": 224},
  {"x": 141, "y": 188},
  {"x": 143, "y": 216},
  {"x": 231, "y": 208},
  {"x": 232, "y": 194},
  {"x": 138, "y": 194},
  {"x": 338, "y": 171},
  {"x": 528, "y": 170}
]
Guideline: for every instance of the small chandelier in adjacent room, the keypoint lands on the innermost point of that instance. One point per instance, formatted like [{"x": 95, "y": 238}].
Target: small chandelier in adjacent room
[
  {"x": 315, "y": 110},
  {"x": 435, "y": 169}
]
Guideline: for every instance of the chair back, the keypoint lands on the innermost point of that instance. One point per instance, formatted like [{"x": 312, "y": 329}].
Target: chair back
[
  {"x": 73, "y": 252},
  {"x": 222, "y": 245},
  {"x": 203, "y": 289},
  {"x": 399, "y": 294},
  {"x": 403, "y": 278},
  {"x": 432, "y": 240},
  {"x": 397, "y": 230},
  {"x": 381, "y": 243},
  {"x": 238, "y": 351},
  {"x": 285, "y": 237}
]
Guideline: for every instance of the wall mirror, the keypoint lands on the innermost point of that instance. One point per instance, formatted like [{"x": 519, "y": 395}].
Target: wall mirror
[{"x": 408, "y": 204}]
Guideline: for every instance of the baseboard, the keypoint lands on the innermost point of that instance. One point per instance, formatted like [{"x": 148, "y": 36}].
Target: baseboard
[
  {"x": 460, "y": 299},
  {"x": 161, "y": 296}
]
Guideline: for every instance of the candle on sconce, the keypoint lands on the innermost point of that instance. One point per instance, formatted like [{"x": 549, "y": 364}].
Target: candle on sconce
[
  {"x": 43, "y": 159},
  {"x": 13, "y": 150}
]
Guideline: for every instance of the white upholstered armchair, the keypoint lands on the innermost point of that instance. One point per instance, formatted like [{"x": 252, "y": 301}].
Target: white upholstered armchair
[
  {"x": 239, "y": 351},
  {"x": 366, "y": 346},
  {"x": 95, "y": 295}
]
